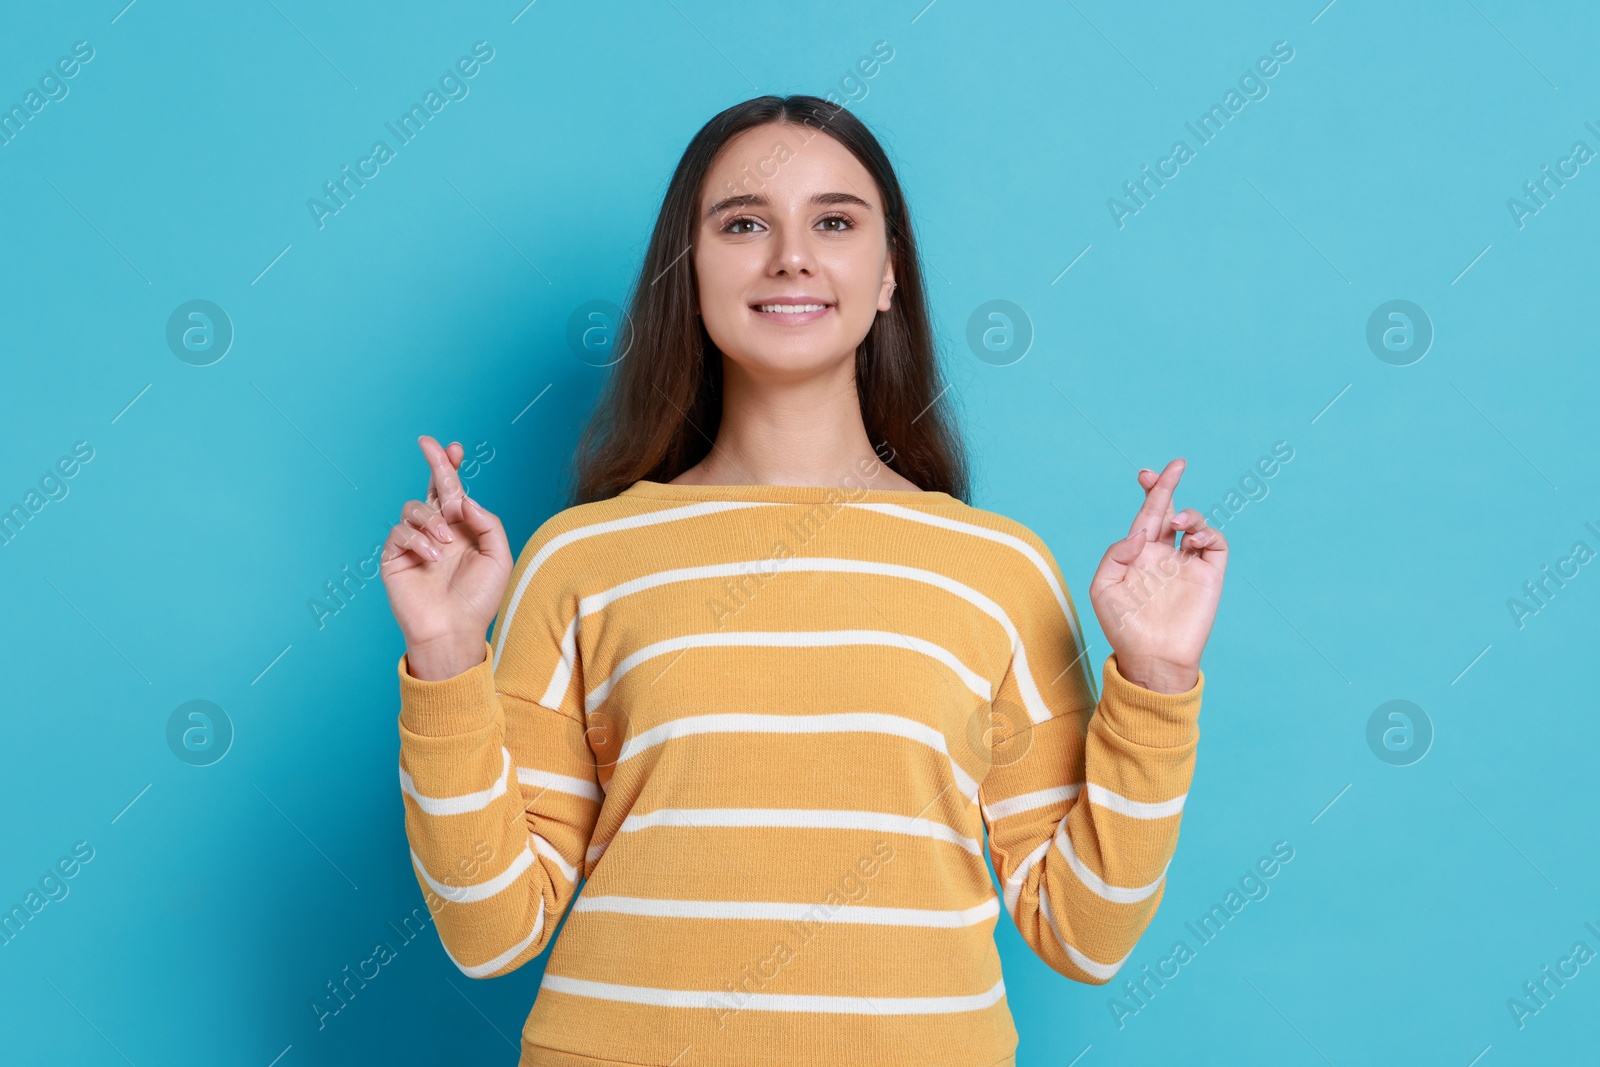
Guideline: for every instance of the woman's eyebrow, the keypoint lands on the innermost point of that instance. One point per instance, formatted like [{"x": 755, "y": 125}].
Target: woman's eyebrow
[{"x": 757, "y": 200}]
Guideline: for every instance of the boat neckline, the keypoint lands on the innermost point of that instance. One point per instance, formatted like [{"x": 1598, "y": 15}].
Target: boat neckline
[{"x": 786, "y": 494}]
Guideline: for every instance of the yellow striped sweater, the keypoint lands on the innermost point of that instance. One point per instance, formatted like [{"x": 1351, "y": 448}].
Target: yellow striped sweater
[{"x": 772, "y": 726}]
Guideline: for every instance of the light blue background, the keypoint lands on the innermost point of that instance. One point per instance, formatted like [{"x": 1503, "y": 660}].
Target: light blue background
[{"x": 1226, "y": 316}]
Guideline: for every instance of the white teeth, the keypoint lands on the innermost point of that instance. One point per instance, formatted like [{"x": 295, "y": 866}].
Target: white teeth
[{"x": 790, "y": 309}]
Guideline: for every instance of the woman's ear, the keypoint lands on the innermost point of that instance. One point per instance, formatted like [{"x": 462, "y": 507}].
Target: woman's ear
[{"x": 886, "y": 291}]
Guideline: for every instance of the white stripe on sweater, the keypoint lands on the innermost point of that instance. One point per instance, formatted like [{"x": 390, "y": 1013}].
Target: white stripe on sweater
[
  {"x": 1099, "y": 886},
  {"x": 800, "y": 818},
  {"x": 783, "y": 911},
  {"x": 1039, "y": 798},
  {"x": 1098, "y": 794},
  {"x": 1135, "y": 809},
  {"x": 561, "y": 783},
  {"x": 471, "y": 894},
  {"x": 562, "y": 675},
  {"x": 480, "y": 970},
  {"x": 835, "y": 722},
  {"x": 465, "y": 802},
  {"x": 470, "y": 802},
  {"x": 1013, "y": 886},
  {"x": 789, "y": 639},
  {"x": 818, "y": 1003},
  {"x": 631, "y": 522},
  {"x": 1016, "y": 543},
  {"x": 1096, "y": 884},
  {"x": 1090, "y": 966}
]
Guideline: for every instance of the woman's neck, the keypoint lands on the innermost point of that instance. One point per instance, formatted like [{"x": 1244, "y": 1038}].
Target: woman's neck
[{"x": 797, "y": 432}]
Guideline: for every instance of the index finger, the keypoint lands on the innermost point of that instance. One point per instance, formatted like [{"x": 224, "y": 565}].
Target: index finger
[
  {"x": 1157, "y": 508},
  {"x": 444, "y": 485}
]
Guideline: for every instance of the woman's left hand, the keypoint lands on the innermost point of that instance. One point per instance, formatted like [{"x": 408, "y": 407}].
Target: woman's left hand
[{"x": 1156, "y": 601}]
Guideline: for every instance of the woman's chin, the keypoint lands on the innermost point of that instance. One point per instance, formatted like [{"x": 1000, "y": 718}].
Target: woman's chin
[{"x": 797, "y": 361}]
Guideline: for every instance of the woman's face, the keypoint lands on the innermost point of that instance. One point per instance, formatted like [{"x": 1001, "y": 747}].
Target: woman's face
[{"x": 790, "y": 222}]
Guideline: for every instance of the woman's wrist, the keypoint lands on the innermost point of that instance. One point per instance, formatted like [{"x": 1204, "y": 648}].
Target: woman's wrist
[
  {"x": 438, "y": 660},
  {"x": 1158, "y": 676}
]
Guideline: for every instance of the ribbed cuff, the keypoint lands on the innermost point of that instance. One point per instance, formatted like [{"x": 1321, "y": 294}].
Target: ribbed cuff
[
  {"x": 1146, "y": 717},
  {"x": 463, "y": 704}
]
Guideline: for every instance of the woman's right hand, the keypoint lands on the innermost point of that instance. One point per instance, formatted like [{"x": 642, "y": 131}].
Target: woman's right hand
[{"x": 445, "y": 567}]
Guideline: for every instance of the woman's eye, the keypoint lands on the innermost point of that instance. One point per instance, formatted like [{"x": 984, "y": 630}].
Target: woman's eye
[{"x": 844, "y": 224}]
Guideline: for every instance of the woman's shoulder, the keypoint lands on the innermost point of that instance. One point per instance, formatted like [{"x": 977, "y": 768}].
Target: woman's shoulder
[
  {"x": 577, "y": 522},
  {"x": 1000, "y": 529},
  {"x": 1022, "y": 570},
  {"x": 612, "y": 530}
]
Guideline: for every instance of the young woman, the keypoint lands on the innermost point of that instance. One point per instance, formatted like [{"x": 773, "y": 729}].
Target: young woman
[{"x": 770, "y": 682}]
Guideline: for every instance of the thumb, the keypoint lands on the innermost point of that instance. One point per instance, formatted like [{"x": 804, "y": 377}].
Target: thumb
[
  {"x": 491, "y": 535},
  {"x": 1120, "y": 556},
  {"x": 1127, "y": 550}
]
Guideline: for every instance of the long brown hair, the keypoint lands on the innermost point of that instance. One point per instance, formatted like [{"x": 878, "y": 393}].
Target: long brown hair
[{"x": 660, "y": 406}]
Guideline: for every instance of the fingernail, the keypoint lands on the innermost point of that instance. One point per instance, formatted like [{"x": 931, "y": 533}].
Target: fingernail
[{"x": 444, "y": 533}]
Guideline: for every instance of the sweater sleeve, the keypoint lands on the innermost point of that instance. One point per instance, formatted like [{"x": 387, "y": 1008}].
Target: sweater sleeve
[
  {"x": 498, "y": 780},
  {"x": 1082, "y": 803}
]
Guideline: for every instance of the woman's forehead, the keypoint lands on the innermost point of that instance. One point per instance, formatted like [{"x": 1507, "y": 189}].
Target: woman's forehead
[{"x": 784, "y": 163}]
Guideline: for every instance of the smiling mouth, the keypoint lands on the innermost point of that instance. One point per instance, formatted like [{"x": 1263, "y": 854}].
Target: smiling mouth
[
  {"x": 789, "y": 309},
  {"x": 792, "y": 314}
]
